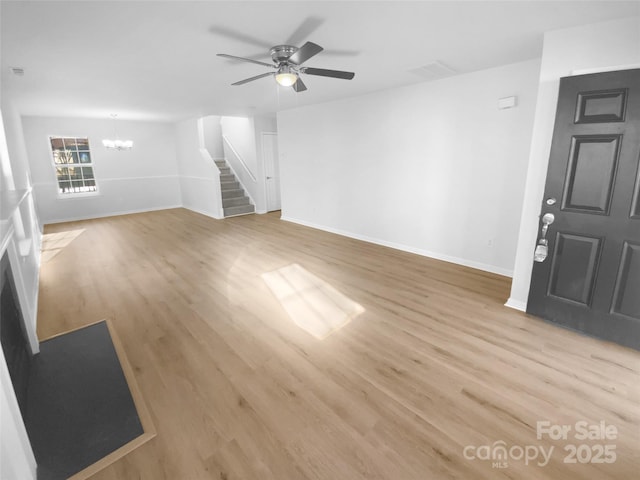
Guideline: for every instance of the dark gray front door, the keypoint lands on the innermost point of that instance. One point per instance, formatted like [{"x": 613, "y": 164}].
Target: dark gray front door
[{"x": 590, "y": 280}]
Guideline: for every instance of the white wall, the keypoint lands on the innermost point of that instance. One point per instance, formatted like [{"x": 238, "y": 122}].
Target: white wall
[
  {"x": 597, "y": 46},
  {"x": 212, "y": 132},
  {"x": 14, "y": 138},
  {"x": 433, "y": 168},
  {"x": 141, "y": 179},
  {"x": 199, "y": 175}
]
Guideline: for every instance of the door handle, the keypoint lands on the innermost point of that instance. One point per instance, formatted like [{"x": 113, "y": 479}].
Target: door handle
[
  {"x": 542, "y": 248},
  {"x": 547, "y": 219},
  {"x": 269, "y": 178}
]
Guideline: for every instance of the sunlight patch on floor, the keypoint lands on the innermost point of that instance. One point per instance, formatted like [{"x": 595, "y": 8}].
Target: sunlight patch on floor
[
  {"x": 54, "y": 243},
  {"x": 313, "y": 304}
]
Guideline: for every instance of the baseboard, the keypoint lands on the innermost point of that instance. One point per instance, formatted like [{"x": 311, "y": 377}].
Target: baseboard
[
  {"x": 405, "y": 248},
  {"x": 202, "y": 212},
  {"x": 111, "y": 214},
  {"x": 516, "y": 304}
]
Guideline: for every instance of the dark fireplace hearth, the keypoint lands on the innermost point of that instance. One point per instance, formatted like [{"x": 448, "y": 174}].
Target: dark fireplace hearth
[{"x": 73, "y": 394}]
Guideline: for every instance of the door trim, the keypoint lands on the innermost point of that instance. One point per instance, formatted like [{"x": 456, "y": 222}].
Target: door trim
[
  {"x": 264, "y": 177},
  {"x": 587, "y": 71}
]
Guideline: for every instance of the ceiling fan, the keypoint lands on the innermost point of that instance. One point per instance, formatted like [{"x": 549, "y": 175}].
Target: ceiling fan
[{"x": 287, "y": 62}]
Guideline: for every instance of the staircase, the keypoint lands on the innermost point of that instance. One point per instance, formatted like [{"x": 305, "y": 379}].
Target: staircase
[{"x": 234, "y": 201}]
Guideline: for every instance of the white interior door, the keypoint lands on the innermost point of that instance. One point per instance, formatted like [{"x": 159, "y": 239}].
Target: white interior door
[{"x": 271, "y": 170}]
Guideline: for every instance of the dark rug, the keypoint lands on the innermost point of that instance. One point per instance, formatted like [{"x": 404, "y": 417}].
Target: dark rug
[{"x": 79, "y": 407}]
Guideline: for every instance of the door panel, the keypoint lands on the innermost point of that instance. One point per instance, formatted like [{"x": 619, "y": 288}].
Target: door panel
[
  {"x": 591, "y": 278},
  {"x": 592, "y": 169},
  {"x": 635, "y": 208},
  {"x": 627, "y": 291},
  {"x": 599, "y": 107},
  {"x": 575, "y": 263}
]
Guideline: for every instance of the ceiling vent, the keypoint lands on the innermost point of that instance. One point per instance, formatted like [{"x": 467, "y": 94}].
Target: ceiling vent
[
  {"x": 17, "y": 71},
  {"x": 433, "y": 71}
]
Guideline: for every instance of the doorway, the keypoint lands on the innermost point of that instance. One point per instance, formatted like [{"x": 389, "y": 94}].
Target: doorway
[{"x": 587, "y": 270}]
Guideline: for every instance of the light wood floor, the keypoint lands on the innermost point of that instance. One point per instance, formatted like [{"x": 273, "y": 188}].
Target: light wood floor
[{"x": 237, "y": 391}]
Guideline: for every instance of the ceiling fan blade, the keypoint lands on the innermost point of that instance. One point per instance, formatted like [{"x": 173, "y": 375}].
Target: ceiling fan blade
[
  {"x": 305, "y": 52},
  {"x": 299, "y": 86},
  {"x": 306, "y": 28},
  {"x": 342, "y": 53},
  {"x": 242, "y": 37},
  {"x": 242, "y": 59},
  {"x": 328, "y": 73},
  {"x": 247, "y": 80}
]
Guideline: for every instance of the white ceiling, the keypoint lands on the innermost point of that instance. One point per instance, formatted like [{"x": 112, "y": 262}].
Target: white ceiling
[{"x": 155, "y": 60}]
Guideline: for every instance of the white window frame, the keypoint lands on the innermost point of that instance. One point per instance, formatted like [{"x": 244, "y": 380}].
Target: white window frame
[{"x": 91, "y": 164}]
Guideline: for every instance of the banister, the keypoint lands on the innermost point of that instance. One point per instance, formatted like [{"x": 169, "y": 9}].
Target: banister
[{"x": 239, "y": 157}]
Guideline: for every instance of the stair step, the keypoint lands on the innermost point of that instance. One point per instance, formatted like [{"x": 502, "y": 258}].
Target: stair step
[
  {"x": 229, "y": 185},
  {"x": 235, "y": 201},
  {"x": 227, "y": 177},
  {"x": 238, "y": 210},
  {"x": 233, "y": 193}
]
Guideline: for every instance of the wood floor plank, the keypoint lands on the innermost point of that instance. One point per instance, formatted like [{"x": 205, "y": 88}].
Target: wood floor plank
[{"x": 237, "y": 390}]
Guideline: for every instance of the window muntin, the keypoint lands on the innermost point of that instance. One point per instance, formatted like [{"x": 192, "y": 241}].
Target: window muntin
[{"x": 73, "y": 165}]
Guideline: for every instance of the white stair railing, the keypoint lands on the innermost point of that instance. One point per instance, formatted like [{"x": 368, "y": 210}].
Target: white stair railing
[{"x": 239, "y": 158}]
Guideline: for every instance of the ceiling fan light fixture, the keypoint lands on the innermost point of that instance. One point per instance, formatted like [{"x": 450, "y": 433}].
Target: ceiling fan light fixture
[
  {"x": 288, "y": 64},
  {"x": 285, "y": 76}
]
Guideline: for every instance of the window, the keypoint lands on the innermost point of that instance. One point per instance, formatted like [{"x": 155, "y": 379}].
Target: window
[{"x": 72, "y": 161}]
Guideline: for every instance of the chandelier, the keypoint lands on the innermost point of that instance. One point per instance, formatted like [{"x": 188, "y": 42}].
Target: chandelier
[{"x": 116, "y": 143}]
